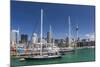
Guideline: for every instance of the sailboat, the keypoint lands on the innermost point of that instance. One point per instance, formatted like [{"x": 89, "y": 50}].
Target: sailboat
[
  {"x": 44, "y": 50},
  {"x": 69, "y": 48}
]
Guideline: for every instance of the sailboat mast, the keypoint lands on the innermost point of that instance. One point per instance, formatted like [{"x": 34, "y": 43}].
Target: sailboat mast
[
  {"x": 77, "y": 28},
  {"x": 41, "y": 30},
  {"x": 50, "y": 34},
  {"x": 77, "y": 31},
  {"x": 18, "y": 36},
  {"x": 69, "y": 30}
]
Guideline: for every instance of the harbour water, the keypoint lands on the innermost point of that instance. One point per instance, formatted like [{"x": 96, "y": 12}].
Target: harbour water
[{"x": 80, "y": 55}]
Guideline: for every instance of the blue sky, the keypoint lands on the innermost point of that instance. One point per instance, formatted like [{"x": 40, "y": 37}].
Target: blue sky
[{"x": 26, "y": 16}]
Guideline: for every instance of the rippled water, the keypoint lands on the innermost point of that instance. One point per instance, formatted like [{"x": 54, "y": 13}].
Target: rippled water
[{"x": 80, "y": 55}]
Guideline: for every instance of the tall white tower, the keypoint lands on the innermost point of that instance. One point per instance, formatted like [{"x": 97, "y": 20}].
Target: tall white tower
[{"x": 34, "y": 38}]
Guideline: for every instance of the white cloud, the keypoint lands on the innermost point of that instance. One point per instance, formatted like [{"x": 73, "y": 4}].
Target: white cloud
[
  {"x": 87, "y": 35},
  {"x": 91, "y": 36}
]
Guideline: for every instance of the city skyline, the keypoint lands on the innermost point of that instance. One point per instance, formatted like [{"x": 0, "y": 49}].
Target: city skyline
[{"x": 26, "y": 17}]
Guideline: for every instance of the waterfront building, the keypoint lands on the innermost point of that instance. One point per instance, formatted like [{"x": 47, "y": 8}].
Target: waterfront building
[
  {"x": 67, "y": 40},
  {"x": 34, "y": 38},
  {"x": 49, "y": 37},
  {"x": 14, "y": 40},
  {"x": 14, "y": 35},
  {"x": 24, "y": 38},
  {"x": 44, "y": 40}
]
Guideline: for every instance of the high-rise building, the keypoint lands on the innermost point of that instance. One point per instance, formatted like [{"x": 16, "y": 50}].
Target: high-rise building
[
  {"x": 34, "y": 38},
  {"x": 24, "y": 38},
  {"x": 49, "y": 38},
  {"x": 14, "y": 35},
  {"x": 67, "y": 40}
]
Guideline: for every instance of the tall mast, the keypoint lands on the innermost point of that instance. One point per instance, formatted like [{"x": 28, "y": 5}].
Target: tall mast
[
  {"x": 50, "y": 34},
  {"x": 69, "y": 31},
  {"x": 41, "y": 30},
  {"x": 77, "y": 28},
  {"x": 18, "y": 35}
]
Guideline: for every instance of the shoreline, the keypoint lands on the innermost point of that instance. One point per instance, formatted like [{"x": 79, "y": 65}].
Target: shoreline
[{"x": 85, "y": 47}]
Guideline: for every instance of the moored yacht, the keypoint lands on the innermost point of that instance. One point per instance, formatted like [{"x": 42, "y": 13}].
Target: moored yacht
[{"x": 44, "y": 50}]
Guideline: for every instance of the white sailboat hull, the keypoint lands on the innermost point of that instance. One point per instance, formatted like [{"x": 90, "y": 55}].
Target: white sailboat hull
[{"x": 44, "y": 57}]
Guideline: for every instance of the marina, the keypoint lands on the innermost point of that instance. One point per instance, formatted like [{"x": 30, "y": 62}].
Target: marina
[
  {"x": 43, "y": 50},
  {"x": 51, "y": 34},
  {"x": 81, "y": 55},
  {"x": 48, "y": 52}
]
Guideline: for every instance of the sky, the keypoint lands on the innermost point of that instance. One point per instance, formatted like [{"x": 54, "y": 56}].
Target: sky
[{"x": 26, "y": 16}]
